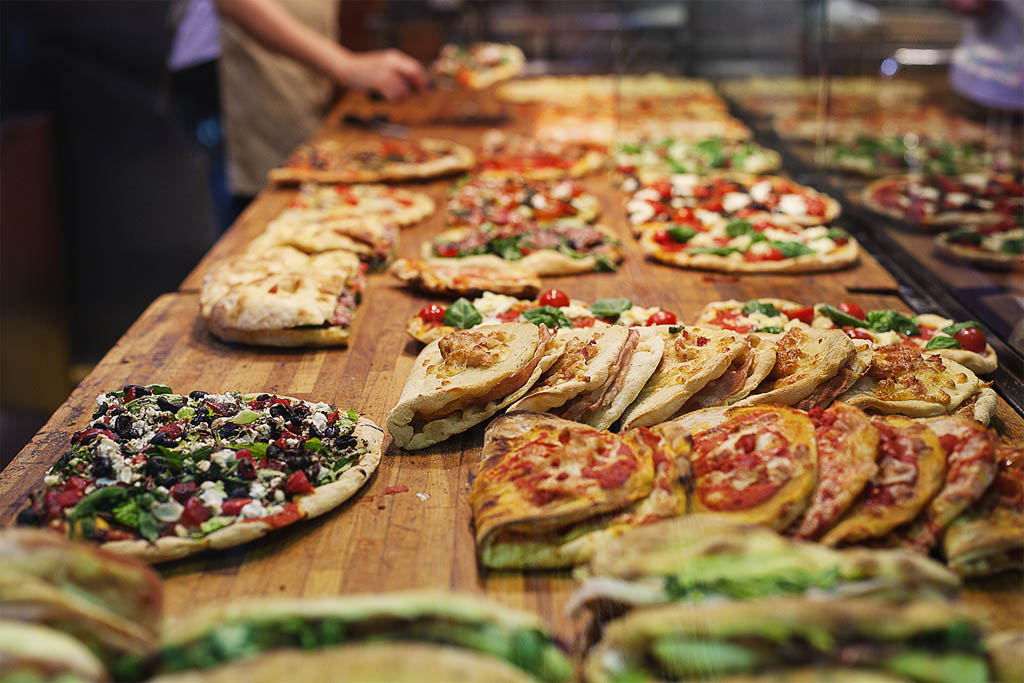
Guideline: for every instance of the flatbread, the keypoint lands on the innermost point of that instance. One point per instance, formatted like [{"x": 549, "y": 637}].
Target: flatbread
[
  {"x": 372, "y": 239},
  {"x": 693, "y": 356},
  {"x": 478, "y": 65},
  {"x": 628, "y": 382},
  {"x": 318, "y": 203},
  {"x": 985, "y": 251},
  {"x": 468, "y": 276},
  {"x": 742, "y": 377},
  {"x": 806, "y": 359}
]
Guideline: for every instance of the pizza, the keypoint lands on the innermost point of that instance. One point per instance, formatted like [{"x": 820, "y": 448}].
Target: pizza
[
  {"x": 847, "y": 460},
  {"x": 514, "y": 156},
  {"x": 553, "y": 308},
  {"x": 911, "y": 470},
  {"x": 989, "y": 537},
  {"x": 757, "y": 466},
  {"x": 742, "y": 376},
  {"x": 963, "y": 342},
  {"x": 903, "y": 381},
  {"x": 561, "y": 248},
  {"x": 873, "y": 155},
  {"x": 574, "y": 90},
  {"x": 283, "y": 297},
  {"x": 608, "y": 127},
  {"x": 478, "y": 65},
  {"x": 856, "y": 367},
  {"x": 789, "y": 95},
  {"x": 693, "y": 357},
  {"x": 549, "y": 491},
  {"x": 372, "y": 240},
  {"x": 319, "y": 203},
  {"x": 657, "y": 159},
  {"x": 160, "y": 475},
  {"x": 468, "y": 276},
  {"x": 332, "y": 161},
  {"x": 925, "y": 122},
  {"x": 971, "y": 465},
  {"x": 998, "y": 245},
  {"x": 517, "y": 202},
  {"x": 761, "y": 243},
  {"x": 467, "y": 376},
  {"x": 694, "y": 201},
  {"x": 936, "y": 201}
]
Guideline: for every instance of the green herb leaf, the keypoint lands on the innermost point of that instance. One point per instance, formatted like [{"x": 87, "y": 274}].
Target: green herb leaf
[
  {"x": 836, "y": 233},
  {"x": 1013, "y": 246},
  {"x": 675, "y": 329},
  {"x": 185, "y": 413},
  {"x": 607, "y": 308},
  {"x": 547, "y": 315},
  {"x": 681, "y": 233},
  {"x": 128, "y": 514},
  {"x": 891, "y": 321},
  {"x": 630, "y": 148},
  {"x": 770, "y": 329},
  {"x": 840, "y": 318},
  {"x": 313, "y": 444},
  {"x": 462, "y": 314},
  {"x": 603, "y": 263},
  {"x": 941, "y": 342},
  {"x": 148, "y": 527},
  {"x": 245, "y": 417},
  {"x": 791, "y": 249},
  {"x": 505, "y": 247},
  {"x": 756, "y": 237},
  {"x": 737, "y": 228},
  {"x": 214, "y": 523},
  {"x": 763, "y": 307},
  {"x": 159, "y": 388},
  {"x": 717, "y": 251},
  {"x": 956, "y": 327},
  {"x": 105, "y": 498}
]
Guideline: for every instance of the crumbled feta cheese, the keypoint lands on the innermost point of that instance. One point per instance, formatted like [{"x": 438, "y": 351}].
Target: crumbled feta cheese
[
  {"x": 51, "y": 479},
  {"x": 257, "y": 491},
  {"x": 318, "y": 420},
  {"x": 203, "y": 465},
  {"x": 253, "y": 510},
  {"x": 223, "y": 457},
  {"x": 761, "y": 191},
  {"x": 279, "y": 495},
  {"x": 491, "y": 304}
]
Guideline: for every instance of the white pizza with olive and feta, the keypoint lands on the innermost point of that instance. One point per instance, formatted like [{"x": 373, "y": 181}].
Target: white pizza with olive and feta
[
  {"x": 552, "y": 308},
  {"x": 658, "y": 159},
  {"x": 962, "y": 342},
  {"x": 160, "y": 475},
  {"x": 941, "y": 200},
  {"x": 692, "y": 200},
  {"x": 320, "y": 203},
  {"x": 519, "y": 202},
  {"x": 760, "y": 244}
]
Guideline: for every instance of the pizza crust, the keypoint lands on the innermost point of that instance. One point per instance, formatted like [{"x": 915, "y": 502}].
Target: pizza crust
[
  {"x": 296, "y": 337},
  {"x": 323, "y": 499},
  {"x": 944, "y": 219},
  {"x": 984, "y": 258},
  {"x": 841, "y": 257},
  {"x": 641, "y": 366}
]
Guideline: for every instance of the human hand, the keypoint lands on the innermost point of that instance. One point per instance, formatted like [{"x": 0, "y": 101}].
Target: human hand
[{"x": 391, "y": 73}]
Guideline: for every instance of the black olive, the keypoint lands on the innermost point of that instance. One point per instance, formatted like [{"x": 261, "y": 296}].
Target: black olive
[
  {"x": 28, "y": 517},
  {"x": 280, "y": 410},
  {"x": 116, "y": 410},
  {"x": 296, "y": 425},
  {"x": 163, "y": 440},
  {"x": 331, "y": 432},
  {"x": 238, "y": 492},
  {"x": 98, "y": 425},
  {"x": 123, "y": 424},
  {"x": 166, "y": 481},
  {"x": 154, "y": 467},
  {"x": 274, "y": 430},
  {"x": 274, "y": 452},
  {"x": 347, "y": 441},
  {"x": 263, "y": 397},
  {"x": 139, "y": 390},
  {"x": 298, "y": 462},
  {"x": 196, "y": 395},
  {"x": 302, "y": 410},
  {"x": 228, "y": 429},
  {"x": 163, "y": 404},
  {"x": 101, "y": 468},
  {"x": 101, "y": 411}
]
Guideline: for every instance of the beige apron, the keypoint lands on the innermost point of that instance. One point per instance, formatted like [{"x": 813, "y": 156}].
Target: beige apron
[{"x": 269, "y": 102}]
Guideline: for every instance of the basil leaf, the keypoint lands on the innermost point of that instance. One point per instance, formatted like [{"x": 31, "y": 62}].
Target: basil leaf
[
  {"x": 791, "y": 249},
  {"x": 1013, "y": 246},
  {"x": 547, "y": 315},
  {"x": 603, "y": 263},
  {"x": 630, "y": 148},
  {"x": 569, "y": 251},
  {"x": 763, "y": 307},
  {"x": 677, "y": 166},
  {"x": 756, "y": 237},
  {"x": 606, "y": 308},
  {"x": 148, "y": 527},
  {"x": 890, "y": 321},
  {"x": 128, "y": 514},
  {"x": 462, "y": 314},
  {"x": 737, "y": 228},
  {"x": 941, "y": 342},
  {"x": 770, "y": 329},
  {"x": 840, "y": 318},
  {"x": 681, "y": 233},
  {"x": 717, "y": 251},
  {"x": 836, "y": 233},
  {"x": 506, "y": 247},
  {"x": 964, "y": 236},
  {"x": 105, "y": 497},
  {"x": 158, "y": 389},
  {"x": 956, "y": 327}
]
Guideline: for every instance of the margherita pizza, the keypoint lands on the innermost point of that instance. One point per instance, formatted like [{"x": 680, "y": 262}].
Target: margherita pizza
[
  {"x": 515, "y": 202},
  {"x": 478, "y": 65},
  {"x": 509, "y": 155},
  {"x": 319, "y": 203},
  {"x": 331, "y": 161},
  {"x": 468, "y": 276},
  {"x": 998, "y": 245},
  {"x": 911, "y": 469},
  {"x": 160, "y": 475},
  {"x": 935, "y": 201}
]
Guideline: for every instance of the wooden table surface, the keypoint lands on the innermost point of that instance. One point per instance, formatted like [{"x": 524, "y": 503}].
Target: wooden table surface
[{"x": 420, "y": 538}]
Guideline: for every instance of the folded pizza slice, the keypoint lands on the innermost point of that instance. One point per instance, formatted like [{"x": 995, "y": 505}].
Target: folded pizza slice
[
  {"x": 856, "y": 367},
  {"x": 550, "y": 491},
  {"x": 469, "y": 276},
  {"x": 373, "y": 240},
  {"x": 989, "y": 537},
  {"x": 693, "y": 356},
  {"x": 466, "y": 377},
  {"x": 847, "y": 461},
  {"x": 911, "y": 469},
  {"x": 741, "y": 377},
  {"x": 806, "y": 358},
  {"x": 638, "y": 359}
]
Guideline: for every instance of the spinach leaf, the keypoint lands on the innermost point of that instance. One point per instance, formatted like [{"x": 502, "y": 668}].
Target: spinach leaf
[
  {"x": 737, "y": 228},
  {"x": 791, "y": 249},
  {"x": 1013, "y": 246},
  {"x": 462, "y": 314},
  {"x": 158, "y": 389},
  {"x": 956, "y": 327},
  {"x": 756, "y": 237},
  {"x": 763, "y": 307},
  {"x": 313, "y": 444},
  {"x": 606, "y": 308},
  {"x": 245, "y": 417},
  {"x": 547, "y": 315},
  {"x": 681, "y": 233},
  {"x": 100, "y": 499},
  {"x": 506, "y": 247},
  {"x": 891, "y": 321},
  {"x": 128, "y": 513},
  {"x": 840, "y": 318},
  {"x": 148, "y": 527},
  {"x": 941, "y": 342},
  {"x": 605, "y": 264},
  {"x": 717, "y": 251}
]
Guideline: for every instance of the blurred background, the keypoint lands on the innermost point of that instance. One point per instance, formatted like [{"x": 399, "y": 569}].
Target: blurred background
[{"x": 112, "y": 179}]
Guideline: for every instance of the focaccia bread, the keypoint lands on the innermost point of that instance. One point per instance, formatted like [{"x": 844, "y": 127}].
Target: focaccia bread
[{"x": 466, "y": 377}]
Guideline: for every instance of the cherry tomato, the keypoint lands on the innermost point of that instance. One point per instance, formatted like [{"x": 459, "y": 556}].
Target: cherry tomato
[
  {"x": 554, "y": 297},
  {"x": 584, "y": 322},
  {"x": 662, "y": 318},
  {"x": 298, "y": 483},
  {"x": 195, "y": 513},
  {"x": 857, "y": 333},
  {"x": 183, "y": 491},
  {"x": 662, "y": 187},
  {"x": 432, "y": 314},
  {"x": 851, "y": 309},
  {"x": 971, "y": 339},
  {"x": 447, "y": 252},
  {"x": 804, "y": 315},
  {"x": 234, "y": 506}
]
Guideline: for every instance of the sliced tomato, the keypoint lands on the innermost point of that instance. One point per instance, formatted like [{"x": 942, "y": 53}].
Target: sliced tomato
[
  {"x": 298, "y": 483},
  {"x": 195, "y": 513},
  {"x": 432, "y": 313},
  {"x": 858, "y": 333},
  {"x": 234, "y": 505},
  {"x": 584, "y": 322}
]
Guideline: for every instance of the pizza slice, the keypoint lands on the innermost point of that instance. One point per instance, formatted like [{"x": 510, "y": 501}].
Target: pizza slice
[
  {"x": 998, "y": 246},
  {"x": 466, "y": 377},
  {"x": 771, "y": 316},
  {"x": 874, "y": 155},
  {"x": 742, "y": 376},
  {"x": 372, "y": 240},
  {"x": 827, "y": 392},
  {"x": 989, "y": 537},
  {"x": 282, "y": 297},
  {"x": 934, "y": 201},
  {"x": 510, "y": 155},
  {"x": 332, "y": 161},
  {"x": 550, "y": 491},
  {"x": 693, "y": 356},
  {"x": 478, "y": 65},
  {"x": 911, "y": 470},
  {"x": 758, "y": 465},
  {"x": 516, "y": 202},
  {"x": 847, "y": 461},
  {"x": 317, "y": 203},
  {"x": 562, "y": 248},
  {"x": 160, "y": 476},
  {"x": 469, "y": 276}
]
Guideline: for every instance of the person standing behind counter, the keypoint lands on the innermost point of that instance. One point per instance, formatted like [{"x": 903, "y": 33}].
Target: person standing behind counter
[{"x": 279, "y": 64}]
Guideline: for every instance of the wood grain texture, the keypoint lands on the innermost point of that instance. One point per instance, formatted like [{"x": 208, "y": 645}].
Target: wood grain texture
[{"x": 379, "y": 541}]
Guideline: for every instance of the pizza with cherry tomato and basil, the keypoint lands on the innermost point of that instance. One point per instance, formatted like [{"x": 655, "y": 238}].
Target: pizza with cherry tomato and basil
[
  {"x": 761, "y": 243},
  {"x": 510, "y": 155},
  {"x": 160, "y": 475},
  {"x": 552, "y": 308},
  {"x": 331, "y": 161},
  {"x": 517, "y": 202},
  {"x": 324, "y": 203},
  {"x": 478, "y": 65},
  {"x": 873, "y": 155},
  {"x": 652, "y": 160},
  {"x": 962, "y": 342},
  {"x": 947, "y": 200},
  {"x": 997, "y": 245},
  {"x": 690, "y": 200},
  {"x": 561, "y": 248}
]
